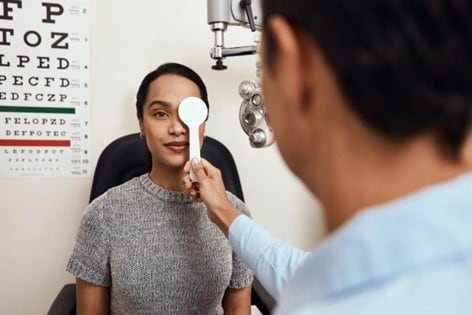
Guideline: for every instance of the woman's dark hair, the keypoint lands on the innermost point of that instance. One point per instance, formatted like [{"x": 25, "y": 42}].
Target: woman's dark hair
[
  {"x": 404, "y": 66},
  {"x": 168, "y": 68}
]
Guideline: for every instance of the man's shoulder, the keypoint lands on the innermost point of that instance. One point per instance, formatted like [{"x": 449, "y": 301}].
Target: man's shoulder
[{"x": 443, "y": 288}]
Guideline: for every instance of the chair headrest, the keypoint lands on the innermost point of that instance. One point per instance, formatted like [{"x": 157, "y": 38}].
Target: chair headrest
[{"x": 128, "y": 157}]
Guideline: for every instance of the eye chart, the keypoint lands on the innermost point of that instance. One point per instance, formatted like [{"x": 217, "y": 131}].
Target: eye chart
[{"x": 44, "y": 88}]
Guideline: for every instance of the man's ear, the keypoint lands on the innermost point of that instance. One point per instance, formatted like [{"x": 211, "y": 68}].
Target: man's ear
[{"x": 288, "y": 63}]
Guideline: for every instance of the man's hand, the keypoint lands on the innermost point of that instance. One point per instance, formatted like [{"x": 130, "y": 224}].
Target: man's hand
[{"x": 210, "y": 189}]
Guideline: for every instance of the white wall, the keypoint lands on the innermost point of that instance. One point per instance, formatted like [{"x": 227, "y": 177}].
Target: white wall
[{"x": 39, "y": 217}]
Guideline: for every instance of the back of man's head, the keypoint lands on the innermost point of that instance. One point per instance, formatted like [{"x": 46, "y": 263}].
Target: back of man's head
[{"x": 404, "y": 66}]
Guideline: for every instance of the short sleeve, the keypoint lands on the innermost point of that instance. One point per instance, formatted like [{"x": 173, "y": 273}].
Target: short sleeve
[
  {"x": 242, "y": 276},
  {"x": 90, "y": 258}
]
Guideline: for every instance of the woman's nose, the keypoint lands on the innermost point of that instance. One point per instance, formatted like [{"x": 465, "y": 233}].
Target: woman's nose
[{"x": 178, "y": 127}]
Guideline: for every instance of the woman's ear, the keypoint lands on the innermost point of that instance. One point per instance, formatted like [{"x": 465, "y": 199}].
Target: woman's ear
[
  {"x": 141, "y": 127},
  {"x": 202, "y": 128}
]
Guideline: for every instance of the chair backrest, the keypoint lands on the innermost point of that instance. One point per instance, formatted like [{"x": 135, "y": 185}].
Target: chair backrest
[{"x": 128, "y": 157}]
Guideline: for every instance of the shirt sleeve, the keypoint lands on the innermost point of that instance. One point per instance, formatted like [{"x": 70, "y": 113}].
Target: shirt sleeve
[
  {"x": 272, "y": 261},
  {"x": 90, "y": 258},
  {"x": 242, "y": 276}
]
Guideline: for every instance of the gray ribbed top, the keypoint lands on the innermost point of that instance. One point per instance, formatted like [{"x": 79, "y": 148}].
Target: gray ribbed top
[{"x": 157, "y": 250}]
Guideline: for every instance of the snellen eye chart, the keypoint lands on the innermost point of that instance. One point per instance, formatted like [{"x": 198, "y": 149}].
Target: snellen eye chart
[{"x": 44, "y": 88}]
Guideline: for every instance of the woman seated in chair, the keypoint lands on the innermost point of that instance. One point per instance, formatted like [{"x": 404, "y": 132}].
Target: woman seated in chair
[{"x": 145, "y": 247}]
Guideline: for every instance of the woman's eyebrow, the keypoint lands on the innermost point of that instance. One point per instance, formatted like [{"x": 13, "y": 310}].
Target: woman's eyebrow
[{"x": 159, "y": 103}]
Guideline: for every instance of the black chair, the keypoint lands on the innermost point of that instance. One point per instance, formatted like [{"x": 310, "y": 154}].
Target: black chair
[{"x": 128, "y": 157}]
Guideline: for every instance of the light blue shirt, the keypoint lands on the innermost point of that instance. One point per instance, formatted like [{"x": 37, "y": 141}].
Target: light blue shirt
[{"x": 410, "y": 256}]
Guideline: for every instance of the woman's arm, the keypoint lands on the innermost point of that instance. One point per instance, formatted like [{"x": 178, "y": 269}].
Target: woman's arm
[
  {"x": 92, "y": 299},
  {"x": 237, "y": 301}
]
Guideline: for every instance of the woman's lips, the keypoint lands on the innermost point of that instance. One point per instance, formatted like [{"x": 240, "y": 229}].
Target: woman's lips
[{"x": 177, "y": 146}]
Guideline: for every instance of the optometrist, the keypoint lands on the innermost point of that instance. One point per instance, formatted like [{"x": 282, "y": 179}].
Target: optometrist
[{"x": 371, "y": 106}]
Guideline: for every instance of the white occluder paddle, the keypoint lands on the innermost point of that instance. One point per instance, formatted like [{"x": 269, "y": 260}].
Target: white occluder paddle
[{"x": 193, "y": 112}]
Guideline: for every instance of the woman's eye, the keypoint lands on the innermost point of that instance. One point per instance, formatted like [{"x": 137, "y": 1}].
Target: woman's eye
[{"x": 160, "y": 114}]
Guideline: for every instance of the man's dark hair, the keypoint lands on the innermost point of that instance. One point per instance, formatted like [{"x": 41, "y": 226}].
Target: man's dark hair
[
  {"x": 404, "y": 66},
  {"x": 168, "y": 68}
]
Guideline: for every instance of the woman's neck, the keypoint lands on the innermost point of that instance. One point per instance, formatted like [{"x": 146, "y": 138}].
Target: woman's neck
[{"x": 170, "y": 179}]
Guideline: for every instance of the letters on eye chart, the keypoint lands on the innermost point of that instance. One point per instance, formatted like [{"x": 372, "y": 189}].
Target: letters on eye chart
[{"x": 44, "y": 88}]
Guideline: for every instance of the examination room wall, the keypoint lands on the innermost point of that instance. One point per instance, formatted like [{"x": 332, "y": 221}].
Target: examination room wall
[{"x": 39, "y": 216}]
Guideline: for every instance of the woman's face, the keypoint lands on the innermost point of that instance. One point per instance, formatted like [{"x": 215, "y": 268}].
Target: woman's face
[{"x": 166, "y": 135}]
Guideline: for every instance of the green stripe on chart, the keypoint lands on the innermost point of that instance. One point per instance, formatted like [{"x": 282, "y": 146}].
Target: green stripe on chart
[{"x": 31, "y": 109}]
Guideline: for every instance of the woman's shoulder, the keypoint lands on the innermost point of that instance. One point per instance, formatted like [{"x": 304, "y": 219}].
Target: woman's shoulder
[
  {"x": 130, "y": 186},
  {"x": 118, "y": 194}
]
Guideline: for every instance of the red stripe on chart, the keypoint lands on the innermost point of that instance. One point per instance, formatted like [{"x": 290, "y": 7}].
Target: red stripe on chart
[{"x": 34, "y": 143}]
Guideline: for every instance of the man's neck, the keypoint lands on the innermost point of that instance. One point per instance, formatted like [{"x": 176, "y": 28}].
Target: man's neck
[{"x": 367, "y": 175}]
